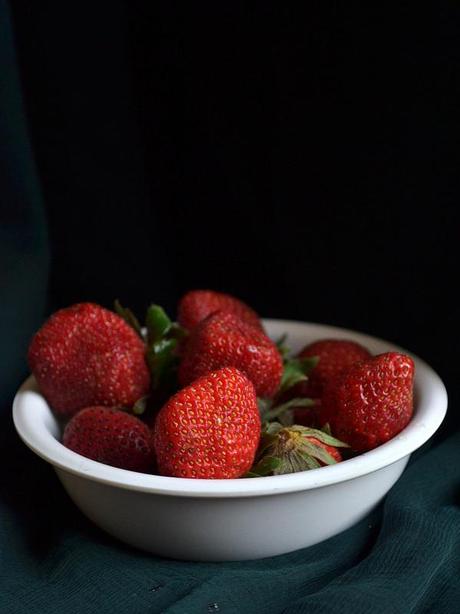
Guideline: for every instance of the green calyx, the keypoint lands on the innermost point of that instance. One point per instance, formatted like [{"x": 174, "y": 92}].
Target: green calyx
[
  {"x": 158, "y": 323},
  {"x": 162, "y": 337},
  {"x": 266, "y": 466},
  {"x": 282, "y": 413},
  {"x": 162, "y": 361},
  {"x": 291, "y": 449},
  {"x": 296, "y": 370}
]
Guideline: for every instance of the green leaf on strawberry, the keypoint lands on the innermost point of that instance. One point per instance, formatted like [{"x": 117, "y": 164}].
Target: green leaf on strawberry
[
  {"x": 158, "y": 323},
  {"x": 280, "y": 412},
  {"x": 264, "y": 467},
  {"x": 162, "y": 339},
  {"x": 162, "y": 362},
  {"x": 296, "y": 370}
]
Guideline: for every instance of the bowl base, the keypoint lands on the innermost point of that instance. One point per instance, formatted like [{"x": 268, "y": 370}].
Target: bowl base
[{"x": 223, "y": 529}]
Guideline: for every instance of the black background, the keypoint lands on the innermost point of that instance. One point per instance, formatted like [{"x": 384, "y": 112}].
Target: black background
[{"x": 304, "y": 160}]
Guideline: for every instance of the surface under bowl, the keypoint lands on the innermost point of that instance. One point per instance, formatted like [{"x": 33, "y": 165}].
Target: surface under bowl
[{"x": 217, "y": 520}]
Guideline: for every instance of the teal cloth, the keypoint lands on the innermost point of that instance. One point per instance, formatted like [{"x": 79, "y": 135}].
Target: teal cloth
[{"x": 404, "y": 557}]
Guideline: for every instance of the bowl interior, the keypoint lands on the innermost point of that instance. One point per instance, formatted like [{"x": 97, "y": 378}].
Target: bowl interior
[{"x": 40, "y": 430}]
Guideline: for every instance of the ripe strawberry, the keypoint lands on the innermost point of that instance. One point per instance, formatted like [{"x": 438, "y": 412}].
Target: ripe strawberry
[
  {"x": 223, "y": 340},
  {"x": 196, "y": 305},
  {"x": 333, "y": 356},
  {"x": 86, "y": 355},
  {"x": 294, "y": 448},
  {"x": 307, "y": 416},
  {"x": 371, "y": 401},
  {"x": 210, "y": 429},
  {"x": 110, "y": 436}
]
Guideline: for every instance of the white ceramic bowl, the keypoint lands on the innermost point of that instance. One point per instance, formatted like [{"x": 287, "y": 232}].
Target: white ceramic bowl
[{"x": 222, "y": 520}]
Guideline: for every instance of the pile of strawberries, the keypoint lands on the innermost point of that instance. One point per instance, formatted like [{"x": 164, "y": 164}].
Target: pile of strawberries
[{"x": 211, "y": 395}]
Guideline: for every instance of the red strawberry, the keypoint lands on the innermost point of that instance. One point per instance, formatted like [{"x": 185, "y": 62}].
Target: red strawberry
[
  {"x": 294, "y": 448},
  {"x": 371, "y": 401},
  {"x": 334, "y": 355},
  {"x": 110, "y": 436},
  {"x": 210, "y": 429},
  {"x": 86, "y": 355},
  {"x": 307, "y": 416},
  {"x": 223, "y": 340},
  {"x": 197, "y": 305}
]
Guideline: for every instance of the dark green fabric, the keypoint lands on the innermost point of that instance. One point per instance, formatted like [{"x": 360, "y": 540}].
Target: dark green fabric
[{"x": 403, "y": 558}]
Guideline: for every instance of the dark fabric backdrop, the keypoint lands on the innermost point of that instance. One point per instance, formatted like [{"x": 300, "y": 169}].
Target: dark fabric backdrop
[{"x": 302, "y": 158}]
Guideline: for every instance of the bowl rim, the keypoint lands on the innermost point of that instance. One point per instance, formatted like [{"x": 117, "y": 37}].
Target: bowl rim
[{"x": 37, "y": 427}]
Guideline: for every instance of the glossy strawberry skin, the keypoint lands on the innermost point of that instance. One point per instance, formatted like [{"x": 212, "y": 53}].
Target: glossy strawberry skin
[
  {"x": 85, "y": 355},
  {"x": 210, "y": 429},
  {"x": 197, "y": 305},
  {"x": 334, "y": 356},
  {"x": 370, "y": 402},
  {"x": 110, "y": 436},
  {"x": 223, "y": 340}
]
